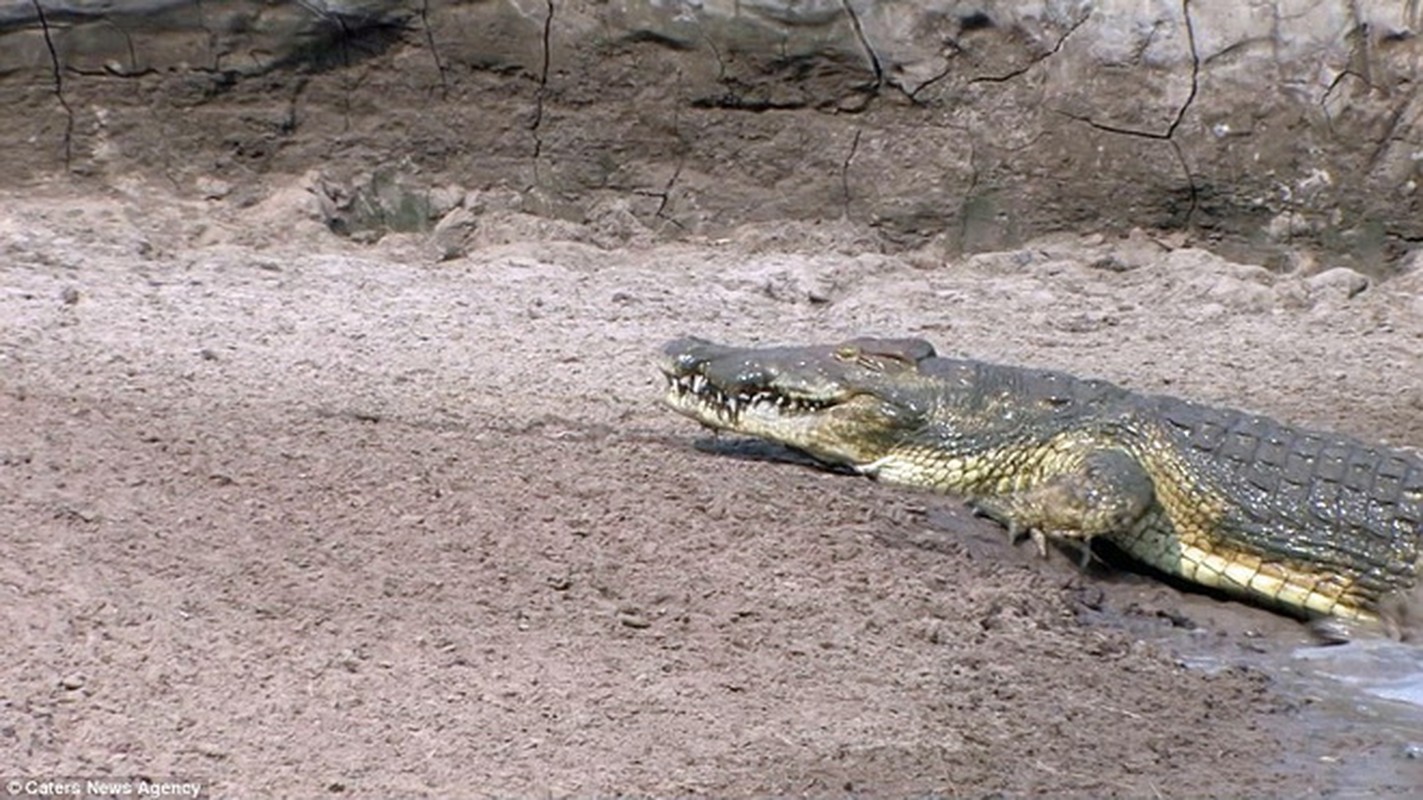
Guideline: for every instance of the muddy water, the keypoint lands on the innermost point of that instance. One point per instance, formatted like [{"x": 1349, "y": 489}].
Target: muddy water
[
  {"x": 1378, "y": 670},
  {"x": 1369, "y": 692}
]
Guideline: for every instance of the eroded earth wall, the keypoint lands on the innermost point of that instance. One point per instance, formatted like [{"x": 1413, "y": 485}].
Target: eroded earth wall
[{"x": 1262, "y": 125}]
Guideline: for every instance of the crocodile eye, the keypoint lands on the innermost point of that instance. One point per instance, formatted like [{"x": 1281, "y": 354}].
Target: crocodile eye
[{"x": 847, "y": 352}]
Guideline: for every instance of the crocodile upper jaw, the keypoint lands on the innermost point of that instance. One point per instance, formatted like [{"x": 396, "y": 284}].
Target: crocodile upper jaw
[{"x": 826, "y": 401}]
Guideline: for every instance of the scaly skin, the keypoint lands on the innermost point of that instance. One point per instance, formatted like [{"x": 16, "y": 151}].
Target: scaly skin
[{"x": 1317, "y": 524}]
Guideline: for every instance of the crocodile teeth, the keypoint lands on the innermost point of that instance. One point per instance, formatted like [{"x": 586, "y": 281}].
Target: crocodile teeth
[{"x": 730, "y": 406}]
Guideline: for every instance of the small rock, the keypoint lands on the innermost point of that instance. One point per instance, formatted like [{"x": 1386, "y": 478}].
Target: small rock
[
  {"x": 1411, "y": 262},
  {"x": 1111, "y": 263},
  {"x": 1240, "y": 295},
  {"x": 452, "y": 232},
  {"x": 444, "y": 199},
  {"x": 73, "y": 681},
  {"x": 613, "y": 223},
  {"x": 69, "y": 296},
  {"x": 634, "y": 619},
  {"x": 482, "y": 201},
  {"x": 1413, "y": 750},
  {"x": 1339, "y": 281},
  {"x": 213, "y": 188},
  {"x": 1287, "y": 225}
]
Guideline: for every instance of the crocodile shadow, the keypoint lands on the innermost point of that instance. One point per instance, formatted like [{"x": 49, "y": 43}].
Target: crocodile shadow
[{"x": 748, "y": 449}]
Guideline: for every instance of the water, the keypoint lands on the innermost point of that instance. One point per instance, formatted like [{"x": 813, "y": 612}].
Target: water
[
  {"x": 1380, "y": 669},
  {"x": 1360, "y": 704}
]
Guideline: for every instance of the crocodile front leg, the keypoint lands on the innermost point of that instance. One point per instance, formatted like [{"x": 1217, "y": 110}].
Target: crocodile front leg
[{"x": 1101, "y": 492}]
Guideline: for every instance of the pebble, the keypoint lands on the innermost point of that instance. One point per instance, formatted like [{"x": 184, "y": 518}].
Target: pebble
[
  {"x": 634, "y": 619},
  {"x": 1339, "y": 280},
  {"x": 213, "y": 188},
  {"x": 451, "y": 234}
]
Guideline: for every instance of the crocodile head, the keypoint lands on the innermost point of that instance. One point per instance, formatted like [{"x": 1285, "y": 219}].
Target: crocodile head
[{"x": 851, "y": 403}]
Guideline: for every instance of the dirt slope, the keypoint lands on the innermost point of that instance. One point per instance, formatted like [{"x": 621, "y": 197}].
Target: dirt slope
[{"x": 299, "y": 519}]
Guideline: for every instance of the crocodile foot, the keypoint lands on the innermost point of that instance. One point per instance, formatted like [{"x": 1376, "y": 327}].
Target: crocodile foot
[
  {"x": 1102, "y": 493},
  {"x": 999, "y": 512}
]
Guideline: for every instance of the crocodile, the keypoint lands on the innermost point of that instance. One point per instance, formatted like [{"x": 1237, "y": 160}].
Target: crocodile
[{"x": 1315, "y": 524}]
